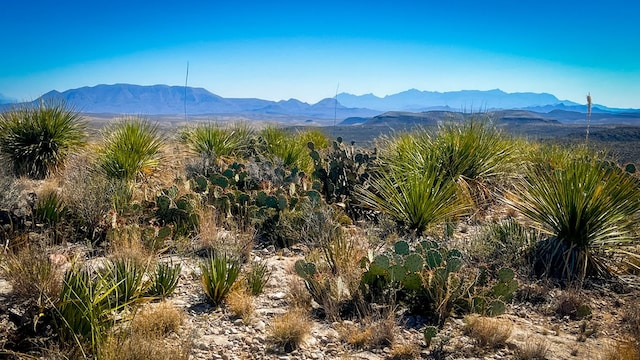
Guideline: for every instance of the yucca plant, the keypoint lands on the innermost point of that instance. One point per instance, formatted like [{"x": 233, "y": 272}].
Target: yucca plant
[
  {"x": 132, "y": 148},
  {"x": 212, "y": 140},
  {"x": 586, "y": 209},
  {"x": 415, "y": 200},
  {"x": 37, "y": 138},
  {"x": 50, "y": 208},
  {"x": 257, "y": 277},
  {"x": 164, "y": 280},
  {"x": 128, "y": 276},
  {"x": 290, "y": 149},
  {"x": 219, "y": 273},
  {"x": 86, "y": 307}
]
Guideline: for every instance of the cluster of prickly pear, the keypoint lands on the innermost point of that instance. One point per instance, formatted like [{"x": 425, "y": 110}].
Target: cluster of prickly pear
[
  {"x": 630, "y": 168},
  {"x": 492, "y": 301},
  {"x": 340, "y": 171},
  {"x": 177, "y": 210}
]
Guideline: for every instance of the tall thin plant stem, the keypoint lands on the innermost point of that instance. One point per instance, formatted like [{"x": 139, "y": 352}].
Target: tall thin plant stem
[{"x": 588, "y": 117}]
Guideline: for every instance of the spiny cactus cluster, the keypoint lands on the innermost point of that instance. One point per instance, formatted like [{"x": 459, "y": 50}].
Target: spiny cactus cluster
[
  {"x": 177, "y": 210},
  {"x": 341, "y": 169},
  {"x": 430, "y": 278}
]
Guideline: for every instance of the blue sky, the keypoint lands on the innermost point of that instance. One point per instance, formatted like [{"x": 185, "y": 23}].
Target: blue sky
[{"x": 297, "y": 49}]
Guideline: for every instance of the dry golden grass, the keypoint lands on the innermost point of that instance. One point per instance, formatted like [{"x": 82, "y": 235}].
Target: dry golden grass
[
  {"x": 288, "y": 331},
  {"x": 370, "y": 334},
  {"x": 404, "y": 351},
  {"x": 240, "y": 302},
  {"x": 298, "y": 296},
  {"x": 533, "y": 349},
  {"x": 32, "y": 274},
  {"x": 143, "y": 347},
  {"x": 623, "y": 350},
  {"x": 488, "y": 332},
  {"x": 127, "y": 242},
  {"x": 160, "y": 319},
  {"x": 145, "y": 338}
]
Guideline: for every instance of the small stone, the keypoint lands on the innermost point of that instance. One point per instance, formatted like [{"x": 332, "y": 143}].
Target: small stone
[
  {"x": 260, "y": 326},
  {"x": 277, "y": 296}
]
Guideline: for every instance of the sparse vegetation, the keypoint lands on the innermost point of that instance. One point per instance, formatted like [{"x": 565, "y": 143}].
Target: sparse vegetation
[{"x": 280, "y": 236}]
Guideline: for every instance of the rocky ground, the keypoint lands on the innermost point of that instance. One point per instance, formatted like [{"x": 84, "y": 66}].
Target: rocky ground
[{"x": 216, "y": 333}]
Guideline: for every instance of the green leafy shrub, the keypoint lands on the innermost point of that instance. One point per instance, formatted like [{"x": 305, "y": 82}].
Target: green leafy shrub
[
  {"x": 585, "y": 208},
  {"x": 36, "y": 139},
  {"x": 164, "y": 280},
  {"x": 132, "y": 148},
  {"x": 219, "y": 273}
]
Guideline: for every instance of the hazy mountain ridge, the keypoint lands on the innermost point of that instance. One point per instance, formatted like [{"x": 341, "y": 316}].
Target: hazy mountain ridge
[
  {"x": 512, "y": 117},
  {"x": 6, "y": 100},
  {"x": 466, "y": 100},
  {"x": 164, "y": 100},
  {"x": 170, "y": 100}
]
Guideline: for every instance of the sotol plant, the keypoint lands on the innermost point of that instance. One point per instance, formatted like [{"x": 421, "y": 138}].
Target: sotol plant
[
  {"x": 36, "y": 139},
  {"x": 585, "y": 208},
  {"x": 132, "y": 148}
]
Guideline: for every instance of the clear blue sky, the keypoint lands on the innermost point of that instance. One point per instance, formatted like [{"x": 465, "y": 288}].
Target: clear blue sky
[{"x": 299, "y": 49}]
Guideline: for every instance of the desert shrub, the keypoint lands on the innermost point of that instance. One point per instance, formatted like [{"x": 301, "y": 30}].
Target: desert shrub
[
  {"x": 240, "y": 302},
  {"x": 145, "y": 337},
  {"x": 536, "y": 349},
  {"x": 50, "y": 208},
  {"x": 282, "y": 146},
  {"x": 164, "y": 280},
  {"x": 131, "y": 149},
  {"x": 404, "y": 351},
  {"x": 159, "y": 319},
  {"x": 288, "y": 331},
  {"x": 371, "y": 333},
  {"x": 37, "y": 138},
  {"x": 90, "y": 195},
  {"x": 32, "y": 275},
  {"x": 573, "y": 305},
  {"x": 488, "y": 332},
  {"x": 505, "y": 243},
  {"x": 585, "y": 208},
  {"x": 219, "y": 273},
  {"x": 128, "y": 277}
]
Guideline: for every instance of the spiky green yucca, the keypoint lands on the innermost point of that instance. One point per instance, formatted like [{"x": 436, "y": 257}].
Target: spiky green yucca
[
  {"x": 415, "y": 200},
  {"x": 219, "y": 273},
  {"x": 212, "y": 140},
  {"x": 586, "y": 209},
  {"x": 86, "y": 307},
  {"x": 291, "y": 148},
  {"x": 36, "y": 139},
  {"x": 132, "y": 147}
]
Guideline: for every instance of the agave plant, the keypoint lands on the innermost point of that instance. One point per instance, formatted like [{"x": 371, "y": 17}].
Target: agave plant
[
  {"x": 36, "y": 139},
  {"x": 585, "y": 208},
  {"x": 132, "y": 148},
  {"x": 164, "y": 280},
  {"x": 219, "y": 273}
]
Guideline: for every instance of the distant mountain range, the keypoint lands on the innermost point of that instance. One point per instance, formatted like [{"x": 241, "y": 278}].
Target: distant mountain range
[
  {"x": 466, "y": 100},
  {"x": 170, "y": 100},
  {"x": 501, "y": 117}
]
